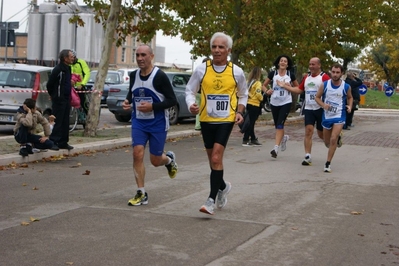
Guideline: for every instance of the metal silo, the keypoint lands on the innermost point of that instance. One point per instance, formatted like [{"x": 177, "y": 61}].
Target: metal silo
[
  {"x": 51, "y": 36},
  {"x": 48, "y": 7},
  {"x": 67, "y": 32},
  {"x": 83, "y": 37},
  {"x": 70, "y": 7},
  {"x": 35, "y": 37}
]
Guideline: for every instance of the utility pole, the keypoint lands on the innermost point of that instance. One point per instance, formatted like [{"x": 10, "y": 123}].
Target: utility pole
[{"x": 1, "y": 11}]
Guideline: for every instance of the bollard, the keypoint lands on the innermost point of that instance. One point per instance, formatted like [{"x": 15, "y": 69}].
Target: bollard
[{"x": 362, "y": 100}]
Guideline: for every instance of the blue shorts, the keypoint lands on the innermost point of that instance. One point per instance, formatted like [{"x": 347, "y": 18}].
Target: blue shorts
[
  {"x": 328, "y": 124},
  {"x": 156, "y": 140}
]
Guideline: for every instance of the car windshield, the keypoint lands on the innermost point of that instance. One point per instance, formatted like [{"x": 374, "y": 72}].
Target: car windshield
[
  {"x": 111, "y": 78},
  {"x": 16, "y": 78}
]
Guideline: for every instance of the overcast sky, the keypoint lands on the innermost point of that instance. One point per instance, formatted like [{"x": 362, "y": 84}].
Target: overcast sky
[{"x": 177, "y": 51}]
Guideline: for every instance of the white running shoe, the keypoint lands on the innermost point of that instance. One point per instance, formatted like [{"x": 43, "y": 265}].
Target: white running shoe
[
  {"x": 208, "y": 207},
  {"x": 284, "y": 142},
  {"x": 222, "y": 196},
  {"x": 327, "y": 168},
  {"x": 307, "y": 161}
]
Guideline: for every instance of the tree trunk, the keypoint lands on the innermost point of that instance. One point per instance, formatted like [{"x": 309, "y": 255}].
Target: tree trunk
[{"x": 93, "y": 114}]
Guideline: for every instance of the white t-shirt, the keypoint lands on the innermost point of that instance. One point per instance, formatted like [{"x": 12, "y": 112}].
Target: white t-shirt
[{"x": 280, "y": 96}]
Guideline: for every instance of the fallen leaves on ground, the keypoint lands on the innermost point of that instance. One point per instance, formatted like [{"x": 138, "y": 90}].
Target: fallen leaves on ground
[
  {"x": 87, "y": 172},
  {"x": 77, "y": 165},
  {"x": 356, "y": 213},
  {"x": 33, "y": 219}
]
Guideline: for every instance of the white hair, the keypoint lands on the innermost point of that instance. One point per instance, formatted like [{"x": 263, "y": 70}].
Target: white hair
[{"x": 228, "y": 39}]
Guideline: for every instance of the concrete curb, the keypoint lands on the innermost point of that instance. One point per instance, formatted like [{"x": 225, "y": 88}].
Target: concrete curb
[{"x": 15, "y": 158}]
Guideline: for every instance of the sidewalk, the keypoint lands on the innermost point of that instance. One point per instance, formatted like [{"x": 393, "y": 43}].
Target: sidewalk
[
  {"x": 106, "y": 139},
  {"x": 109, "y": 138}
]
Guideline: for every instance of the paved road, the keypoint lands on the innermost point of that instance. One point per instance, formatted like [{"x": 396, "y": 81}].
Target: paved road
[{"x": 279, "y": 212}]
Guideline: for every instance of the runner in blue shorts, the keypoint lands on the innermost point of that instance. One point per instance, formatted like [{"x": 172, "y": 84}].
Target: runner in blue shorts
[
  {"x": 335, "y": 97},
  {"x": 150, "y": 95}
]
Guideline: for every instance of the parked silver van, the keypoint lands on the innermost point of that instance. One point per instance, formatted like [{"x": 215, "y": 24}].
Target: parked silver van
[{"x": 18, "y": 82}]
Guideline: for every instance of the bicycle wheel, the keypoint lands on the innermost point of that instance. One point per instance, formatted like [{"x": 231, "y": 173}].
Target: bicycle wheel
[
  {"x": 266, "y": 103},
  {"x": 82, "y": 117},
  {"x": 73, "y": 119}
]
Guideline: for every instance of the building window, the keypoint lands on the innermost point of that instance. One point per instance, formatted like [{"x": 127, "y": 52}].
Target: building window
[
  {"x": 123, "y": 59},
  {"x": 134, "y": 55}
]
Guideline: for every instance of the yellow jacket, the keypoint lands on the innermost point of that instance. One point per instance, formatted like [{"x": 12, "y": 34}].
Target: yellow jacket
[{"x": 255, "y": 96}]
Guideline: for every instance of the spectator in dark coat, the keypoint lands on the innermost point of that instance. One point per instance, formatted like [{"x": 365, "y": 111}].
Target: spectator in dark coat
[
  {"x": 354, "y": 82},
  {"x": 59, "y": 87}
]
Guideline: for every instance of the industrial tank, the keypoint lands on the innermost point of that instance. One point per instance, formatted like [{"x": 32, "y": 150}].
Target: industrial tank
[
  {"x": 83, "y": 37},
  {"x": 35, "y": 36},
  {"x": 67, "y": 32},
  {"x": 48, "y": 7},
  {"x": 67, "y": 8},
  {"x": 51, "y": 36}
]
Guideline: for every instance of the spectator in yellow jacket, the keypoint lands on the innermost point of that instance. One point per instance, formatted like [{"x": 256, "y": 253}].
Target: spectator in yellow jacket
[
  {"x": 255, "y": 97},
  {"x": 80, "y": 67}
]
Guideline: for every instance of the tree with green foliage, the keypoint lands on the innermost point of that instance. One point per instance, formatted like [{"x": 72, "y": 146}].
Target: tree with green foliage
[
  {"x": 383, "y": 59},
  {"x": 261, "y": 29}
]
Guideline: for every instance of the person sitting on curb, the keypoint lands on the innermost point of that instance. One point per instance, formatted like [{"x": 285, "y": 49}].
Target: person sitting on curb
[
  {"x": 27, "y": 119},
  {"x": 40, "y": 131}
]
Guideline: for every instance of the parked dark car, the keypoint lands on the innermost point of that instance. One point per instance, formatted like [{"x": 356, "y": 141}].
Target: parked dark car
[
  {"x": 117, "y": 94},
  {"x": 113, "y": 77}
]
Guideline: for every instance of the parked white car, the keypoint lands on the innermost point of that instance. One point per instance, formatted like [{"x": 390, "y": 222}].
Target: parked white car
[
  {"x": 126, "y": 73},
  {"x": 19, "y": 82}
]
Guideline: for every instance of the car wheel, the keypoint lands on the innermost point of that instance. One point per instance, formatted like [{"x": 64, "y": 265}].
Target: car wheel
[
  {"x": 173, "y": 115},
  {"x": 123, "y": 118}
]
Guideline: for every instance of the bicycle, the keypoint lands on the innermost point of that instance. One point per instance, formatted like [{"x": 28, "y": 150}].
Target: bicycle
[{"x": 78, "y": 115}]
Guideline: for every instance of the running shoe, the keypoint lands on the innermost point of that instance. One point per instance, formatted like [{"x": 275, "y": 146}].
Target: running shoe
[
  {"x": 23, "y": 151},
  {"x": 208, "y": 207},
  {"x": 246, "y": 143},
  {"x": 222, "y": 196},
  {"x": 139, "y": 199},
  {"x": 34, "y": 150},
  {"x": 284, "y": 142},
  {"x": 29, "y": 148},
  {"x": 327, "y": 168},
  {"x": 307, "y": 161},
  {"x": 255, "y": 142},
  {"x": 172, "y": 167},
  {"x": 273, "y": 153},
  {"x": 339, "y": 141}
]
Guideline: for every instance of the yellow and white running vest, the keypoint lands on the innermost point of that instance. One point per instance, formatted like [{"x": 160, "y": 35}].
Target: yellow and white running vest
[{"x": 218, "y": 95}]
